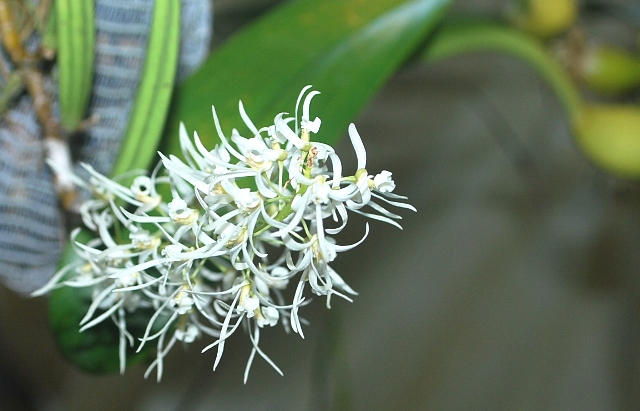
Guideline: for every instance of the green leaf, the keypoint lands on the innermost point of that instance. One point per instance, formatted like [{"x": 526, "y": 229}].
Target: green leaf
[
  {"x": 75, "y": 53},
  {"x": 345, "y": 48}
]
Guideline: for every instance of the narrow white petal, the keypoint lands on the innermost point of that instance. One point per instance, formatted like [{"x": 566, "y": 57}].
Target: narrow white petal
[
  {"x": 246, "y": 119},
  {"x": 304, "y": 90},
  {"x": 394, "y": 203},
  {"x": 226, "y": 144},
  {"x": 102, "y": 316},
  {"x": 283, "y": 128},
  {"x": 358, "y": 146}
]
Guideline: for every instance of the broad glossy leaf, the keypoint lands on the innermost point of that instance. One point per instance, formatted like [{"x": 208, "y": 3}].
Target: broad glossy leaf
[{"x": 345, "y": 48}]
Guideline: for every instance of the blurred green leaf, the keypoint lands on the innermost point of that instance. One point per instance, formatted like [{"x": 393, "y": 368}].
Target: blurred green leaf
[{"x": 345, "y": 48}]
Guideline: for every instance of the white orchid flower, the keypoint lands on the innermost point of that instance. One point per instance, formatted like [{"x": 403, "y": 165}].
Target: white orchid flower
[{"x": 244, "y": 221}]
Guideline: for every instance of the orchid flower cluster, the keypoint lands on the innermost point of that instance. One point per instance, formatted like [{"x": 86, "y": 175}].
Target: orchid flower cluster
[{"x": 246, "y": 220}]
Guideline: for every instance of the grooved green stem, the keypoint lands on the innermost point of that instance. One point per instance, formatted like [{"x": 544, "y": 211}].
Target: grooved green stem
[
  {"x": 456, "y": 38},
  {"x": 151, "y": 104},
  {"x": 75, "y": 48}
]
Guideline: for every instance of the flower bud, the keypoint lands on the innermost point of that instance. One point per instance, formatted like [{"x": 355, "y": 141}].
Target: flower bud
[
  {"x": 610, "y": 136},
  {"x": 609, "y": 70},
  {"x": 543, "y": 18}
]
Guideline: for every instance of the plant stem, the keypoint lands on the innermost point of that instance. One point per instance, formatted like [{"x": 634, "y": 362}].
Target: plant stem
[{"x": 456, "y": 38}]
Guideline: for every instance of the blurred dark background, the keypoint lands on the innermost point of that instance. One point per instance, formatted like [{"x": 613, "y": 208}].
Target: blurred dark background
[{"x": 516, "y": 285}]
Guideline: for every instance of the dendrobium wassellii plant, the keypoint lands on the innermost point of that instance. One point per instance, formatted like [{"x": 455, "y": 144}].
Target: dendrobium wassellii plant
[{"x": 245, "y": 221}]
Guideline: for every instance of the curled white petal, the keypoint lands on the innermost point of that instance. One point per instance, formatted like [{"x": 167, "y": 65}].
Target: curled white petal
[
  {"x": 358, "y": 146},
  {"x": 383, "y": 182}
]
